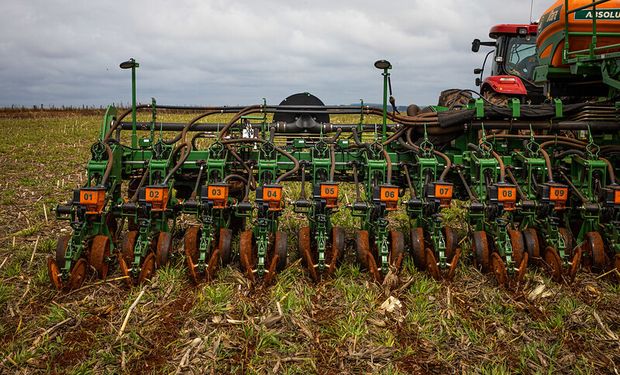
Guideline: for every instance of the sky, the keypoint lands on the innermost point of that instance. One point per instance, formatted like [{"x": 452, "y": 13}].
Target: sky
[{"x": 227, "y": 52}]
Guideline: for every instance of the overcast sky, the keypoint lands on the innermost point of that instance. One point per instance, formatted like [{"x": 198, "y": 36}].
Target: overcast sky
[{"x": 212, "y": 52}]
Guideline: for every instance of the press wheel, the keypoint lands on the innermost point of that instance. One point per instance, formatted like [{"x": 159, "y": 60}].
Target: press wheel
[
  {"x": 431, "y": 264},
  {"x": 246, "y": 245},
  {"x": 122, "y": 265},
  {"x": 452, "y": 242},
  {"x": 454, "y": 263},
  {"x": 481, "y": 248},
  {"x": 499, "y": 269},
  {"x": 191, "y": 239},
  {"x": 304, "y": 243},
  {"x": 575, "y": 263},
  {"x": 164, "y": 243},
  {"x": 518, "y": 245},
  {"x": 337, "y": 248},
  {"x": 595, "y": 245},
  {"x": 568, "y": 241},
  {"x": 225, "y": 241},
  {"x": 147, "y": 269},
  {"x": 362, "y": 246},
  {"x": 280, "y": 250},
  {"x": 397, "y": 248},
  {"x": 417, "y": 247},
  {"x": 554, "y": 263},
  {"x": 78, "y": 274},
  {"x": 99, "y": 254},
  {"x": 54, "y": 273},
  {"x": 129, "y": 243},
  {"x": 532, "y": 244}
]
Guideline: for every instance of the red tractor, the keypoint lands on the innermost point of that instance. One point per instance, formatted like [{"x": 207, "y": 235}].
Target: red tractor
[{"x": 513, "y": 67}]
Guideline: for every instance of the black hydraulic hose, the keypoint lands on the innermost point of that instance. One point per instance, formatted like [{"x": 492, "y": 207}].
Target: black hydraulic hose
[
  {"x": 471, "y": 194},
  {"x": 473, "y": 147},
  {"x": 181, "y": 161},
  {"x": 242, "y": 179},
  {"x": 251, "y": 182},
  {"x": 569, "y": 182},
  {"x": 108, "y": 168},
  {"x": 388, "y": 161},
  {"x": 610, "y": 169},
  {"x": 292, "y": 171},
  {"x": 244, "y": 112},
  {"x": 195, "y": 191},
  {"x": 134, "y": 197},
  {"x": 332, "y": 167},
  {"x": 410, "y": 144},
  {"x": 302, "y": 193},
  {"x": 334, "y": 139},
  {"x": 514, "y": 181},
  {"x": 356, "y": 138},
  {"x": 563, "y": 154},
  {"x": 278, "y": 149},
  {"x": 545, "y": 155},
  {"x": 358, "y": 195},
  {"x": 409, "y": 184}
]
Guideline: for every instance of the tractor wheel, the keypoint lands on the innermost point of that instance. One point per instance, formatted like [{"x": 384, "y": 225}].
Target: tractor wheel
[
  {"x": 164, "y": 243},
  {"x": 99, "y": 254},
  {"x": 596, "y": 247},
  {"x": 531, "y": 243},
  {"x": 499, "y": 269},
  {"x": 554, "y": 263},
  {"x": 417, "y": 247},
  {"x": 280, "y": 250},
  {"x": 517, "y": 244},
  {"x": 481, "y": 249},
  {"x": 225, "y": 241},
  {"x": 397, "y": 250},
  {"x": 500, "y": 100}
]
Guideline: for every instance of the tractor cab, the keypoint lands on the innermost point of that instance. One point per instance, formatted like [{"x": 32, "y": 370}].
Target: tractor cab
[{"x": 514, "y": 61}]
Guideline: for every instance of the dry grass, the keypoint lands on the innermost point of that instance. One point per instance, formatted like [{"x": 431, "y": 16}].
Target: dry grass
[{"x": 294, "y": 326}]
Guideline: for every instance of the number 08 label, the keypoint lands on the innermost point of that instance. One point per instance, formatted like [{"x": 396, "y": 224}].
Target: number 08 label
[{"x": 507, "y": 194}]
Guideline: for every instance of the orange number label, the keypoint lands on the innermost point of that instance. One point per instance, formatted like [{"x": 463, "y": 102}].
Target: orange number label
[
  {"x": 156, "y": 194},
  {"x": 217, "y": 192},
  {"x": 89, "y": 197},
  {"x": 558, "y": 194},
  {"x": 329, "y": 191},
  {"x": 443, "y": 191},
  {"x": 272, "y": 194},
  {"x": 617, "y": 197},
  {"x": 389, "y": 194},
  {"x": 507, "y": 194}
]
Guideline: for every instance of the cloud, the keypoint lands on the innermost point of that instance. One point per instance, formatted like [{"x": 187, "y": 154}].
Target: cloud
[{"x": 237, "y": 52}]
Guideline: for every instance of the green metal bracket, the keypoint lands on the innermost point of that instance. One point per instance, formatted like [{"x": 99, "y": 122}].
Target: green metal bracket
[
  {"x": 479, "y": 108},
  {"x": 559, "y": 108},
  {"x": 515, "y": 106}
]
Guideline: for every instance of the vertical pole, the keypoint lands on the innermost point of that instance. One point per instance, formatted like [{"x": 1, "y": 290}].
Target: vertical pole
[
  {"x": 385, "y": 98},
  {"x": 134, "y": 134}
]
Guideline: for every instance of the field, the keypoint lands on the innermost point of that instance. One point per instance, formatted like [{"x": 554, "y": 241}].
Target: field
[{"x": 346, "y": 324}]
